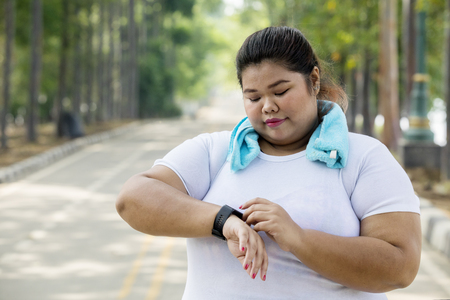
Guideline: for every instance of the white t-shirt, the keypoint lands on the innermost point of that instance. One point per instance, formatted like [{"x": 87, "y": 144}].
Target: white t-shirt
[{"x": 316, "y": 197}]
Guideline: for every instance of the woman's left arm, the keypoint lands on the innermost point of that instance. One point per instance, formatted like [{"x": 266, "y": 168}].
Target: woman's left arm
[{"x": 384, "y": 257}]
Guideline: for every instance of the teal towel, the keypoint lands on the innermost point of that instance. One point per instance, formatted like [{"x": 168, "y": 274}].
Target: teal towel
[
  {"x": 328, "y": 143},
  {"x": 244, "y": 146}
]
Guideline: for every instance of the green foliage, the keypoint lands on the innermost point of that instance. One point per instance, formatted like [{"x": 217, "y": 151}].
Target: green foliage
[
  {"x": 183, "y": 6},
  {"x": 343, "y": 33},
  {"x": 435, "y": 47},
  {"x": 187, "y": 47},
  {"x": 155, "y": 85}
]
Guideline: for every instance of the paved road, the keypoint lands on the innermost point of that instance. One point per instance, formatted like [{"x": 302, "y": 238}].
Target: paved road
[{"x": 61, "y": 238}]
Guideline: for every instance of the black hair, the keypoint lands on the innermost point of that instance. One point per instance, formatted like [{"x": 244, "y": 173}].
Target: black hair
[{"x": 289, "y": 47}]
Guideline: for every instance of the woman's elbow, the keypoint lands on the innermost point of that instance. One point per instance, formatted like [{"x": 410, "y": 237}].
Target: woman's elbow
[
  {"x": 121, "y": 204},
  {"x": 126, "y": 201},
  {"x": 407, "y": 273}
]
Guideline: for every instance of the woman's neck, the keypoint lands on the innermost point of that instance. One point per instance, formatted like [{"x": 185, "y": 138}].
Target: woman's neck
[{"x": 286, "y": 149}]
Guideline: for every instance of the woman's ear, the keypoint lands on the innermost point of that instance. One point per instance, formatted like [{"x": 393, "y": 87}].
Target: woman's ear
[
  {"x": 315, "y": 80},
  {"x": 315, "y": 76}
]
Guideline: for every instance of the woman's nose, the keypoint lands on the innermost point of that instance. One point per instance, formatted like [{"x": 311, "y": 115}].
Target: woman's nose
[{"x": 269, "y": 106}]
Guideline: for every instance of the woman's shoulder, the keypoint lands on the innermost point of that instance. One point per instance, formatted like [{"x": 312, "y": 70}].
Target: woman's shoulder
[
  {"x": 363, "y": 139},
  {"x": 365, "y": 150},
  {"x": 217, "y": 139},
  {"x": 215, "y": 144},
  {"x": 361, "y": 145}
]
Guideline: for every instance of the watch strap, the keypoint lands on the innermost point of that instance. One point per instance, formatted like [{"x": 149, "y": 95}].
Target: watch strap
[{"x": 222, "y": 216}]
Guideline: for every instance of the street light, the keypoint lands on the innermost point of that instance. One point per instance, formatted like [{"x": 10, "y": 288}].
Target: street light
[
  {"x": 418, "y": 148},
  {"x": 419, "y": 125}
]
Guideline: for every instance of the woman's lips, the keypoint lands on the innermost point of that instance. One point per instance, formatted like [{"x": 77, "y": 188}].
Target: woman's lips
[{"x": 274, "y": 122}]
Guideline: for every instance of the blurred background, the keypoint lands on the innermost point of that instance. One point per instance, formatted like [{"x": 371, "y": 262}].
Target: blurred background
[
  {"x": 104, "y": 61},
  {"x": 71, "y": 68},
  {"x": 78, "y": 68}
]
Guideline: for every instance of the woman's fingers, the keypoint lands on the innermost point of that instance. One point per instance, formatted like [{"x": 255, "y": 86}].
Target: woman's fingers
[
  {"x": 246, "y": 245},
  {"x": 264, "y": 266},
  {"x": 257, "y": 217},
  {"x": 253, "y": 202},
  {"x": 259, "y": 258},
  {"x": 243, "y": 240},
  {"x": 252, "y": 248}
]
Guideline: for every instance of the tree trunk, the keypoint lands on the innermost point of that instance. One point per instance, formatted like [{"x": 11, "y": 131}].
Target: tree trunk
[
  {"x": 367, "y": 123},
  {"x": 62, "y": 89},
  {"x": 89, "y": 66},
  {"x": 351, "y": 113},
  {"x": 110, "y": 64},
  {"x": 117, "y": 79},
  {"x": 77, "y": 87},
  {"x": 100, "y": 66},
  {"x": 143, "y": 31},
  {"x": 408, "y": 43},
  {"x": 445, "y": 156},
  {"x": 35, "y": 74},
  {"x": 132, "y": 61},
  {"x": 124, "y": 86},
  {"x": 389, "y": 74},
  {"x": 9, "y": 28}
]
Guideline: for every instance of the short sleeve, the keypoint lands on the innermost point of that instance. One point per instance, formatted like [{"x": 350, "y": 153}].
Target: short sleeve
[
  {"x": 377, "y": 183},
  {"x": 196, "y": 161}
]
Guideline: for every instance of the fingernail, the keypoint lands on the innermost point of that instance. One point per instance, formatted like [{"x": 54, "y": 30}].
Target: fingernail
[
  {"x": 264, "y": 278},
  {"x": 246, "y": 266},
  {"x": 254, "y": 275},
  {"x": 240, "y": 207},
  {"x": 243, "y": 248}
]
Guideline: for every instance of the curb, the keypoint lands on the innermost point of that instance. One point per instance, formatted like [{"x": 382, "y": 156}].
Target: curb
[
  {"x": 435, "y": 227},
  {"x": 18, "y": 170}
]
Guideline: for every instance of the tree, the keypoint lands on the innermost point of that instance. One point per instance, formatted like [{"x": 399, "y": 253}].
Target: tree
[
  {"x": 100, "y": 65},
  {"x": 132, "y": 67},
  {"x": 89, "y": 63},
  {"x": 62, "y": 82},
  {"x": 408, "y": 44},
  {"x": 35, "y": 74},
  {"x": 77, "y": 58},
  {"x": 110, "y": 64},
  {"x": 9, "y": 26},
  {"x": 446, "y": 150},
  {"x": 388, "y": 79}
]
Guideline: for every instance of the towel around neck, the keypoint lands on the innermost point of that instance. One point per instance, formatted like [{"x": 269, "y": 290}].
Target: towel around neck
[{"x": 328, "y": 143}]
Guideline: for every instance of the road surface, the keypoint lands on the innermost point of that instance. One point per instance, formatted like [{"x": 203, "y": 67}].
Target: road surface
[{"x": 61, "y": 237}]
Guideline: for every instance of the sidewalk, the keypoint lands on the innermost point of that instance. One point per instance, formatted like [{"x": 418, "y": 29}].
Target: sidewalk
[
  {"x": 435, "y": 223},
  {"x": 21, "y": 169},
  {"x": 435, "y": 227}
]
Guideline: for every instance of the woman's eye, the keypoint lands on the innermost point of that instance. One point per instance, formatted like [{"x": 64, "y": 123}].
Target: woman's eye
[
  {"x": 254, "y": 100},
  {"x": 282, "y": 93}
]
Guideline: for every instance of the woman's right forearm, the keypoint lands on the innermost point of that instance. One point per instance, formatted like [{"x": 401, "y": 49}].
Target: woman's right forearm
[{"x": 154, "y": 207}]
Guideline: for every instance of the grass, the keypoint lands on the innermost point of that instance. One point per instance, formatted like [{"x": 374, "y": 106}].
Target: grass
[{"x": 19, "y": 148}]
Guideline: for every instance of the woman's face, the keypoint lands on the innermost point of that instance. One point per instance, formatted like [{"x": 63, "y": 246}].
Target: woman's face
[{"x": 280, "y": 107}]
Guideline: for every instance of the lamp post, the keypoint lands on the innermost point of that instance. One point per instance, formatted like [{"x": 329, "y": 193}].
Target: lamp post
[
  {"x": 418, "y": 149},
  {"x": 419, "y": 126}
]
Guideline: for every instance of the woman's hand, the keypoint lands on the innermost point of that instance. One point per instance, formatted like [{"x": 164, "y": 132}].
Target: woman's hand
[
  {"x": 273, "y": 220},
  {"x": 247, "y": 246}
]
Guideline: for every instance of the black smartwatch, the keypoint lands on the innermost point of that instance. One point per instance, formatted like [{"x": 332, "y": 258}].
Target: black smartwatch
[{"x": 222, "y": 216}]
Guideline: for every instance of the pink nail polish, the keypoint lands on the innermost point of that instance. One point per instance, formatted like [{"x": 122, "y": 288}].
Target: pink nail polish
[
  {"x": 246, "y": 266},
  {"x": 243, "y": 249},
  {"x": 254, "y": 275},
  {"x": 264, "y": 278},
  {"x": 240, "y": 207}
]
